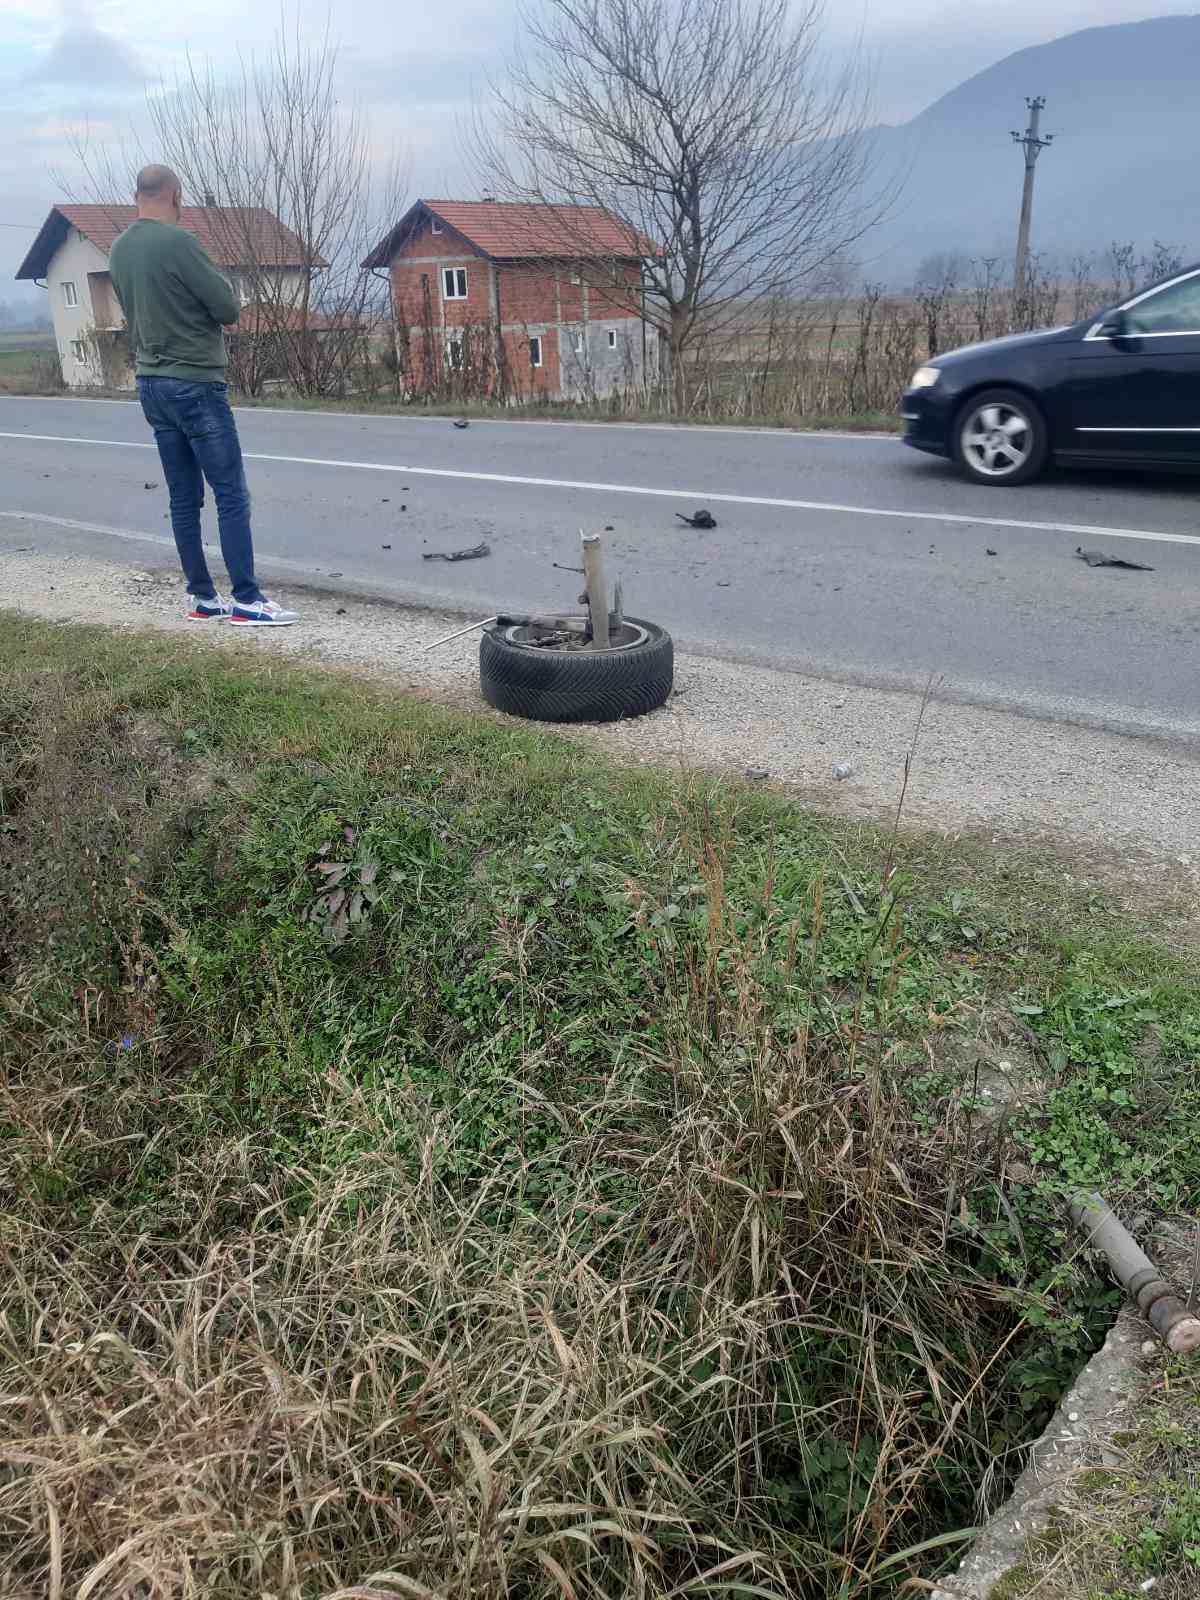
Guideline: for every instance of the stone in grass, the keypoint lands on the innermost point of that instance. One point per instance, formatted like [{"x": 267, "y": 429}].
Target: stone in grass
[
  {"x": 758, "y": 774},
  {"x": 842, "y": 770}
]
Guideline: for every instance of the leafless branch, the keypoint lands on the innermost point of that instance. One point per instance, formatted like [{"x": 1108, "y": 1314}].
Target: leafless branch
[{"x": 713, "y": 128}]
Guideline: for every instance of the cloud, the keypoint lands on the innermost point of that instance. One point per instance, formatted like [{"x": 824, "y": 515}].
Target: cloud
[{"x": 86, "y": 55}]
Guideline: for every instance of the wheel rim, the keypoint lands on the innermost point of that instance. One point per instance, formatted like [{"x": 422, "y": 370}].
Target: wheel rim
[
  {"x": 624, "y": 637},
  {"x": 997, "y": 440}
]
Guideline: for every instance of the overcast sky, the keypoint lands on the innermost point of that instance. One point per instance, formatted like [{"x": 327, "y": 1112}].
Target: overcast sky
[{"x": 71, "y": 62}]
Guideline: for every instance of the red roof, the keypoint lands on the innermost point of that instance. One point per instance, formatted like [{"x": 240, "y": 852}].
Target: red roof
[
  {"x": 234, "y": 236},
  {"x": 508, "y": 232}
]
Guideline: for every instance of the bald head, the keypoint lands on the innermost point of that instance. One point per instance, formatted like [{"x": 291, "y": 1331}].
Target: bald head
[{"x": 159, "y": 193}]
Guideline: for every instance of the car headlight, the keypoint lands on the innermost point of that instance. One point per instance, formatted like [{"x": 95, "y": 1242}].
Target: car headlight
[{"x": 925, "y": 377}]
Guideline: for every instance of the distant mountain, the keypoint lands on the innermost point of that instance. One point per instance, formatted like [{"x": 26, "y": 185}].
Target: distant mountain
[{"x": 1123, "y": 104}]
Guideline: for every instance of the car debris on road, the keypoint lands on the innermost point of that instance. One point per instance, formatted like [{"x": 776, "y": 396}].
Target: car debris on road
[
  {"x": 699, "y": 519},
  {"x": 473, "y": 554},
  {"x": 1097, "y": 558}
]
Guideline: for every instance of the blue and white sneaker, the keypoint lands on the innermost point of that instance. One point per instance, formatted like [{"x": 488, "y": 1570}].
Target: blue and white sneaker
[
  {"x": 263, "y": 614},
  {"x": 214, "y": 610}
]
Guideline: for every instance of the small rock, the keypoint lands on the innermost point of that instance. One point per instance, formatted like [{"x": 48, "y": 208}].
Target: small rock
[
  {"x": 1149, "y": 1348},
  {"x": 385, "y": 547},
  {"x": 335, "y": 574},
  {"x": 722, "y": 583},
  {"x": 461, "y": 422},
  {"x": 386, "y": 500},
  {"x": 841, "y": 771},
  {"x": 150, "y": 486},
  {"x": 608, "y": 527},
  {"x": 404, "y": 508},
  {"x": 838, "y": 704},
  {"x": 758, "y": 774},
  {"x": 341, "y": 611},
  {"x": 1072, "y": 1416},
  {"x": 990, "y": 551}
]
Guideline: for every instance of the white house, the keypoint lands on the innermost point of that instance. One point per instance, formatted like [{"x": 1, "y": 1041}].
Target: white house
[{"x": 263, "y": 260}]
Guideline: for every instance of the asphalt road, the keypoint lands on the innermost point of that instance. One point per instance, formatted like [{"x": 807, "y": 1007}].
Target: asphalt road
[{"x": 847, "y": 556}]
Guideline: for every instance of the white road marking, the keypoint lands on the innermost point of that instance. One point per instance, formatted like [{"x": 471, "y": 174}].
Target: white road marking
[
  {"x": 698, "y": 496},
  {"x": 135, "y": 536},
  {"x": 513, "y": 422}
]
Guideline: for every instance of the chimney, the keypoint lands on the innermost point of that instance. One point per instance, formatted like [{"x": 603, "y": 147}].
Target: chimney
[{"x": 210, "y": 199}]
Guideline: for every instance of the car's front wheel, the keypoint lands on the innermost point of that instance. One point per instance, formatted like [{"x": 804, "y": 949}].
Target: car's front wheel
[{"x": 1000, "y": 437}]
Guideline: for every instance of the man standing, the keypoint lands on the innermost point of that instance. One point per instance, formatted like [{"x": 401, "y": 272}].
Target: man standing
[{"x": 176, "y": 304}]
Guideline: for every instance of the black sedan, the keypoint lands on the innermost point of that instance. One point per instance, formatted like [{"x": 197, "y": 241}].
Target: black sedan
[{"x": 1121, "y": 389}]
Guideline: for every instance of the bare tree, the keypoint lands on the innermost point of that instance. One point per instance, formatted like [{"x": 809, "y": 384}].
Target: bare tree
[
  {"x": 287, "y": 176},
  {"x": 712, "y": 129}
]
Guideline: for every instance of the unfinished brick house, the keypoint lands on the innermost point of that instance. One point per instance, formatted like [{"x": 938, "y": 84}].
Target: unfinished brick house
[{"x": 517, "y": 301}]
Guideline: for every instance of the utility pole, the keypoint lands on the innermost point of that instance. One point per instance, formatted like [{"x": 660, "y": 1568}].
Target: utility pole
[{"x": 1033, "y": 146}]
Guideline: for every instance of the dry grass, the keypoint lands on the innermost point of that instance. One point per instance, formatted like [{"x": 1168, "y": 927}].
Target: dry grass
[{"x": 298, "y": 1377}]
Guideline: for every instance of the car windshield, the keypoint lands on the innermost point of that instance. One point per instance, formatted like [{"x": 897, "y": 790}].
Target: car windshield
[{"x": 1175, "y": 309}]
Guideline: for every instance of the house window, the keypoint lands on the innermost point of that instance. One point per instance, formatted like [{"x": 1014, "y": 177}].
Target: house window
[
  {"x": 580, "y": 341},
  {"x": 535, "y": 351},
  {"x": 577, "y": 278},
  {"x": 70, "y": 296},
  {"x": 612, "y": 338},
  {"x": 454, "y": 354},
  {"x": 434, "y": 225},
  {"x": 242, "y": 288},
  {"x": 454, "y": 283},
  {"x": 78, "y": 351}
]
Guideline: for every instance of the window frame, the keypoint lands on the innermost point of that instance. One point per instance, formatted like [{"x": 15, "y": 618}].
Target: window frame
[
  {"x": 536, "y": 339},
  {"x": 1191, "y": 279},
  {"x": 78, "y": 352},
  {"x": 612, "y": 338},
  {"x": 454, "y": 274},
  {"x": 453, "y": 363},
  {"x": 435, "y": 226},
  {"x": 70, "y": 294},
  {"x": 579, "y": 341},
  {"x": 1151, "y": 294}
]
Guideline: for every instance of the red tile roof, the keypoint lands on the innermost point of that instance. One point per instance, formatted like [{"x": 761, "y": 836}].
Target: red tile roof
[
  {"x": 508, "y": 232},
  {"x": 233, "y": 236}
]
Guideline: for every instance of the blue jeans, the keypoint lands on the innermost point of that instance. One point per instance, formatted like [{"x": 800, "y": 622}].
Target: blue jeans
[{"x": 197, "y": 439}]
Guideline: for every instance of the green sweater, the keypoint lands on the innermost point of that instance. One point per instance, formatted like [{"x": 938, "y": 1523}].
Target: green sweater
[{"x": 175, "y": 302}]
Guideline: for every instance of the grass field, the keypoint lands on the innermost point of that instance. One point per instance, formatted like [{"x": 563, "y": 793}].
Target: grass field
[
  {"x": 23, "y": 358},
  {"x": 426, "y": 1150}
]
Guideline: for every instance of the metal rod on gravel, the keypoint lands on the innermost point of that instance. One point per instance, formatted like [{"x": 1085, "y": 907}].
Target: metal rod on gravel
[
  {"x": 597, "y": 588},
  {"x": 474, "y": 626}
]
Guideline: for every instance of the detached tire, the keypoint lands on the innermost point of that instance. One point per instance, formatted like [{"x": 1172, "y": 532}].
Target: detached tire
[{"x": 577, "y": 685}]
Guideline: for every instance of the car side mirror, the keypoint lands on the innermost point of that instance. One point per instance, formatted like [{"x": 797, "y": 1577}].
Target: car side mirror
[{"x": 1115, "y": 325}]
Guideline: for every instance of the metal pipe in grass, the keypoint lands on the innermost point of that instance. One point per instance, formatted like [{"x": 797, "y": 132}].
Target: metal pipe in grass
[{"x": 1158, "y": 1301}]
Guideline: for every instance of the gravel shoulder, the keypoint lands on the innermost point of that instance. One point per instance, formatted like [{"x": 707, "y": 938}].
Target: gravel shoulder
[{"x": 1116, "y": 812}]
